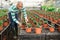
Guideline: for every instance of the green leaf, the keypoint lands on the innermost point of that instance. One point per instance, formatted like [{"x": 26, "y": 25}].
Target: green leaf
[
  {"x": 29, "y": 25},
  {"x": 35, "y": 22},
  {"x": 38, "y": 26},
  {"x": 1, "y": 22}
]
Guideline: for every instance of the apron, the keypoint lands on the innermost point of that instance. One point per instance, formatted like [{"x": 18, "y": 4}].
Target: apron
[{"x": 13, "y": 25}]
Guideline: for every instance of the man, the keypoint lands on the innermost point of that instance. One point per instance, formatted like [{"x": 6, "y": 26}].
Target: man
[{"x": 13, "y": 15}]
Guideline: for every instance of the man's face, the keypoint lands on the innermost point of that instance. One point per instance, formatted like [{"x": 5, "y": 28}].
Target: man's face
[{"x": 19, "y": 6}]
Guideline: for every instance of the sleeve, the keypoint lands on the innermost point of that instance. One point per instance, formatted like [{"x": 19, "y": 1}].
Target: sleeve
[
  {"x": 14, "y": 19},
  {"x": 12, "y": 8},
  {"x": 24, "y": 12}
]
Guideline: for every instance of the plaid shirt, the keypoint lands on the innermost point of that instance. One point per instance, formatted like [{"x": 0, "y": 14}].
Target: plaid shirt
[{"x": 13, "y": 9}]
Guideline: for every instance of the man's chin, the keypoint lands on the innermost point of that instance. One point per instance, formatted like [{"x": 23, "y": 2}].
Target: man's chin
[{"x": 20, "y": 8}]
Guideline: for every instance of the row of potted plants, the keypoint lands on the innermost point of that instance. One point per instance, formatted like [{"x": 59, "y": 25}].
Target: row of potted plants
[
  {"x": 3, "y": 19},
  {"x": 53, "y": 20},
  {"x": 45, "y": 25},
  {"x": 51, "y": 15},
  {"x": 38, "y": 24},
  {"x": 37, "y": 28},
  {"x": 3, "y": 24}
]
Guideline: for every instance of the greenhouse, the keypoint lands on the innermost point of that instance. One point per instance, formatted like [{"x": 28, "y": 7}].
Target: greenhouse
[{"x": 29, "y": 19}]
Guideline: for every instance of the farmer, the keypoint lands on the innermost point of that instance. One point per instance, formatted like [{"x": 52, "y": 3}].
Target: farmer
[{"x": 13, "y": 16}]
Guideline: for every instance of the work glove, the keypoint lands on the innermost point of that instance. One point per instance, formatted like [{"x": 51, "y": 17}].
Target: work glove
[{"x": 26, "y": 20}]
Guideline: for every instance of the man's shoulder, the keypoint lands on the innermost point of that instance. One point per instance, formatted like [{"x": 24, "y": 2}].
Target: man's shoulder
[
  {"x": 23, "y": 8},
  {"x": 13, "y": 5}
]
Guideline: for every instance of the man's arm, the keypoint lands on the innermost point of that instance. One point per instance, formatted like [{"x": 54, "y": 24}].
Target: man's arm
[
  {"x": 12, "y": 9},
  {"x": 14, "y": 19},
  {"x": 25, "y": 14}
]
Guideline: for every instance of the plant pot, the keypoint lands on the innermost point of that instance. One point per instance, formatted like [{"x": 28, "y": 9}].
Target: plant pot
[
  {"x": 51, "y": 19},
  {"x": 59, "y": 29},
  {"x": 23, "y": 27},
  {"x": 5, "y": 24},
  {"x": 1, "y": 28},
  {"x": 51, "y": 29},
  {"x": 55, "y": 21},
  {"x": 41, "y": 15},
  {"x": 45, "y": 16},
  {"x": 28, "y": 30},
  {"x": 48, "y": 17},
  {"x": 59, "y": 21},
  {"x": 38, "y": 30},
  {"x": 45, "y": 25}
]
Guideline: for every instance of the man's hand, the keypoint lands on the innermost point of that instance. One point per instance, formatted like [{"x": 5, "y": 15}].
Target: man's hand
[
  {"x": 26, "y": 20},
  {"x": 20, "y": 24}
]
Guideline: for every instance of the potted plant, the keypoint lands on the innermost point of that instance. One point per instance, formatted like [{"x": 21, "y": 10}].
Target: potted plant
[
  {"x": 59, "y": 21},
  {"x": 51, "y": 19},
  {"x": 55, "y": 20},
  {"x": 38, "y": 29},
  {"x": 29, "y": 28},
  {"x": 41, "y": 15},
  {"x": 45, "y": 25},
  {"x": 23, "y": 25},
  {"x": 59, "y": 29},
  {"x": 51, "y": 28},
  {"x": 1, "y": 26},
  {"x": 31, "y": 19},
  {"x": 37, "y": 18},
  {"x": 48, "y": 17},
  {"x": 5, "y": 23},
  {"x": 34, "y": 23}
]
